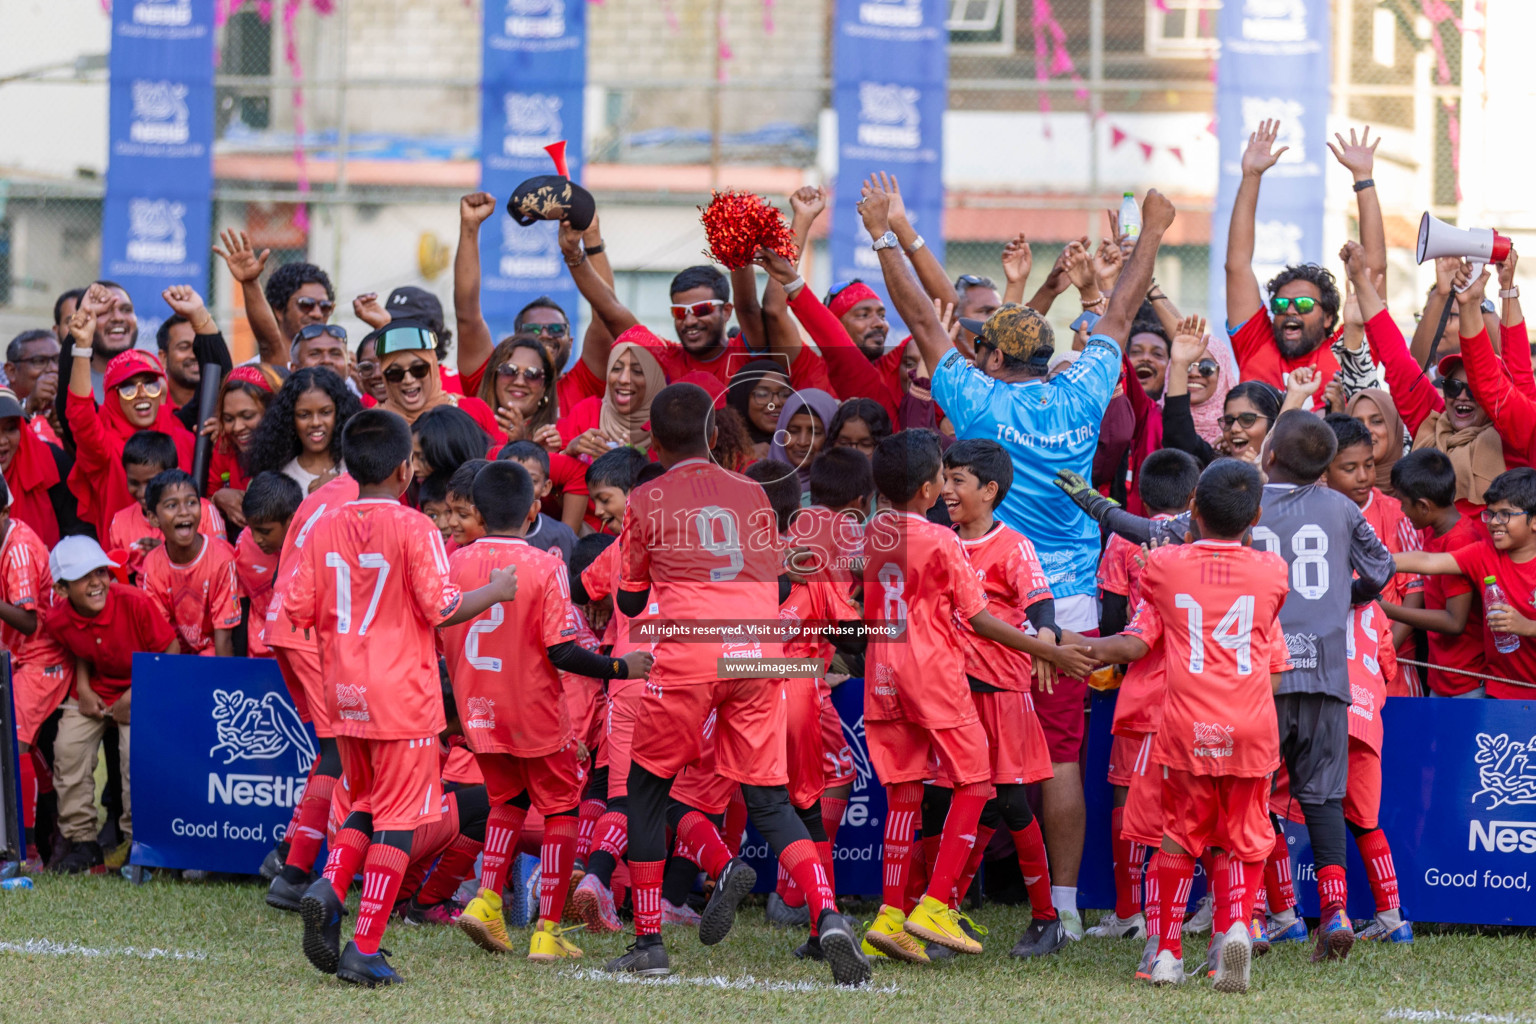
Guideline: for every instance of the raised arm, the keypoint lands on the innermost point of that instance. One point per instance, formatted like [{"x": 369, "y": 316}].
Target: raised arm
[
  {"x": 245, "y": 266},
  {"x": 1512, "y": 411},
  {"x": 597, "y": 342},
  {"x": 749, "y": 311},
  {"x": 1358, "y": 156},
  {"x": 1056, "y": 281},
  {"x": 475, "y": 341},
  {"x": 1411, "y": 390},
  {"x": 1434, "y": 306},
  {"x": 1190, "y": 343},
  {"x": 912, "y": 305},
  {"x": 1243, "y": 297},
  {"x": 1157, "y": 215},
  {"x": 1017, "y": 261},
  {"x": 598, "y": 293},
  {"x": 929, "y": 270},
  {"x": 1516, "y": 347}
]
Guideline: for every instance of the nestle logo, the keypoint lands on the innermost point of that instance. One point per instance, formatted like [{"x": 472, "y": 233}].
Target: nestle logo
[
  {"x": 1502, "y": 836},
  {"x": 255, "y": 790}
]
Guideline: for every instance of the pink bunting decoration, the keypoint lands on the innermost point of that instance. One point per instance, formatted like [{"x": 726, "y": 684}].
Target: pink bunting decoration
[
  {"x": 1116, "y": 136},
  {"x": 1146, "y": 150},
  {"x": 1178, "y": 154}
]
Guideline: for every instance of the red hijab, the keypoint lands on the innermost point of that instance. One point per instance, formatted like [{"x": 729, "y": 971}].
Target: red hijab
[
  {"x": 101, "y": 499},
  {"x": 31, "y": 473}
]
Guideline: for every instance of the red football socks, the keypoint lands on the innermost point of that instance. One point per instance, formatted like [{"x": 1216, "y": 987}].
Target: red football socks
[
  {"x": 1220, "y": 879},
  {"x": 735, "y": 823},
  {"x": 452, "y": 868},
  {"x": 586, "y": 826},
  {"x": 1277, "y": 876},
  {"x": 556, "y": 856},
  {"x": 1253, "y": 888},
  {"x": 613, "y": 834},
  {"x": 903, "y": 804},
  {"x": 1377, "y": 854},
  {"x": 1332, "y": 889},
  {"x": 1126, "y": 856},
  {"x": 972, "y": 865},
  {"x": 803, "y": 863},
  {"x": 1029, "y": 845},
  {"x": 703, "y": 839},
  {"x": 1175, "y": 877},
  {"x": 788, "y": 891},
  {"x": 958, "y": 839},
  {"x": 501, "y": 829},
  {"x": 645, "y": 879},
  {"x": 1154, "y": 906},
  {"x": 28, "y": 790},
  {"x": 347, "y": 852},
  {"x": 832, "y": 809},
  {"x": 304, "y": 840},
  {"x": 382, "y": 871}
]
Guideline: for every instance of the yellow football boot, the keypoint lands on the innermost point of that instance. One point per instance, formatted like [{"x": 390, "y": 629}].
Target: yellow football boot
[
  {"x": 482, "y": 922},
  {"x": 549, "y": 943},
  {"x": 888, "y": 937},
  {"x": 935, "y": 921}
]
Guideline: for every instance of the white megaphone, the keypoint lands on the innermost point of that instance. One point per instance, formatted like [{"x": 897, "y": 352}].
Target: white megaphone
[{"x": 1477, "y": 246}]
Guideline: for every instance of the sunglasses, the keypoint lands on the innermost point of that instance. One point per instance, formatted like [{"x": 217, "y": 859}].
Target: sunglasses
[
  {"x": 1454, "y": 388},
  {"x": 313, "y": 331},
  {"x": 552, "y": 330},
  {"x": 151, "y": 388},
  {"x": 1206, "y": 367},
  {"x": 309, "y": 305},
  {"x": 975, "y": 281},
  {"x": 1304, "y": 305},
  {"x": 1503, "y": 515},
  {"x": 698, "y": 309},
  {"x": 1247, "y": 419},
  {"x": 531, "y": 374},
  {"x": 395, "y": 374},
  {"x": 839, "y": 286}
]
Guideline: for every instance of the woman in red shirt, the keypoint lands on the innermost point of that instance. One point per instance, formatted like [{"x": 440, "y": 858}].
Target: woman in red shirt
[
  {"x": 243, "y": 401},
  {"x": 518, "y": 383},
  {"x": 623, "y": 414}
]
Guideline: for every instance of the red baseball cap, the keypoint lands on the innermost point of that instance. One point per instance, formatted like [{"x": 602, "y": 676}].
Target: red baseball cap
[{"x": 130, "y": 364}]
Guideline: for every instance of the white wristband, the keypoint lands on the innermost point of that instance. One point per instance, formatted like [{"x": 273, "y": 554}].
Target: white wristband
[
  {"x": 794, "y": 286},
  {"x": 1510, "y": 293},
  {"x": 82, "y": 351},
  {"x": 917, "y": 243}
]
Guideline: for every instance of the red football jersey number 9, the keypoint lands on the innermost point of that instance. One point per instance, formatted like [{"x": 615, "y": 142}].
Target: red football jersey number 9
[{"x": 727, "y": 546}]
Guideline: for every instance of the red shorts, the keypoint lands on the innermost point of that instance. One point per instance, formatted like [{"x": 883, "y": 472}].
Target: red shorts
[
  {"x": 396, "y": 781},
  {"x": 1225, "y": 811},
  {"x": 587, "y": 705},
  {"x": 1362, "y": 794},
  {"x": 1015, "y": 741},
  {"x": 700, "y": 785},
  {"x": 1063, "y": 719},
  {"x": 836, "y": 754},
  {"x": 902, "y": 751},
  {"x": 37, "y": 690},
  {"x": 301, "y": 671},
  {"x": 1142, "y": 819},
  {"x": 1123, "y": 751},
  {"x": 803, "y": 742},
  {"x": 553, "y": 781},
  {"x": 623, "y": 707},
  {"x": 749, "y": 729}
]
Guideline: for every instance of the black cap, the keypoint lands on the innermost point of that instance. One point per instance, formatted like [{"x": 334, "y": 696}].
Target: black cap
[
  {"x": 10, "y": 405},
  {"x": 412, "y": 303},
  {"x": 551, "y": 197}
]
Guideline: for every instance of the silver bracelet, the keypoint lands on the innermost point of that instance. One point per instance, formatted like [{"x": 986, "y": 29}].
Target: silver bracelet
[
  {"x": 82, "y": 351},
  {"x": 1510, "y": 293},
  {"x": 917, "y": 243}
]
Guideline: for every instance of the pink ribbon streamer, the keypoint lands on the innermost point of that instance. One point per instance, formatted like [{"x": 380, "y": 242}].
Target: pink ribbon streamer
[{"x": 1051, "y": 56}]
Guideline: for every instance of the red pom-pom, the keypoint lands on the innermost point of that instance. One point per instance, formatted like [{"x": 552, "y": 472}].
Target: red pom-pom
[{"x": 736, "y": 224}]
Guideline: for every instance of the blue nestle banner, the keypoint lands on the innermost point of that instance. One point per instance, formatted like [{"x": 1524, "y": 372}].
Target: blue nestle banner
[
  {"x": 861, "y": 838},
  {"x": 1276, "y": 62},
  {"x": 890, "y": 87},
  {"x": 156, "y": 216},
  {"x": 219, "y": 760},
  {"x": 532, "y": 94}
]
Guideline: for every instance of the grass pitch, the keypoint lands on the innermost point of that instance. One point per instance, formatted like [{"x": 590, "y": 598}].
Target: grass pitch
[{"x": 96, "y": 949}]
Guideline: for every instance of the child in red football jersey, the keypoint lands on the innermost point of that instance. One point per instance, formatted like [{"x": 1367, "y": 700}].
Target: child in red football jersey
[
  {"x": 917, "y": 704},
  {"x": 1452, "y": 616},
  {"x": 1166, "y": 484},
  {"x": 1215, "y": 604},
  {"x": 465, "y": 525},
  {"x": 977, "y": 476},
  {"x": 190, "y": 576},
  {"x": 268, "y": 504},
  {"x": 505, "y": 666},
  {"x": 40, "y": 670},
  {"x": 372, "y": 582},
  {"x": 134, "y": 529}
]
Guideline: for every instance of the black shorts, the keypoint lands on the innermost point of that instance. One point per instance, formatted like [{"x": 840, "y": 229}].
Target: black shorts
[{"x": 1314, "y": 741}]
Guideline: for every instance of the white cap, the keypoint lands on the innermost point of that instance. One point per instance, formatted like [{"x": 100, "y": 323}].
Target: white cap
[
  {"x": 1065, "y": 356},
  {"x": 75, "y": 557}
]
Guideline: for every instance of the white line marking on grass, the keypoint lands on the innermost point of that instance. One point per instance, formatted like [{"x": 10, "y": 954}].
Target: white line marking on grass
[
  {"x": 1460, "y": 1018},
  {"x": 48, "y": 947},
  {"x": 743, "y": 983}
]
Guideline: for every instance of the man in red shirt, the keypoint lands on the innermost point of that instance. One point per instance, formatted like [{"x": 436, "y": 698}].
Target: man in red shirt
[
  {"x": 703, "y": 545},
  {"x": 1452, "y": 616},
  {"x": 505, "y": 665},
  {"x": 1297, "y": 327},
  {"x": 1216, "y": 606},
  {"x": 374, "y": 570},
  {"x": 102, "y": 623},
  {"x": 1508, "y": 557}
]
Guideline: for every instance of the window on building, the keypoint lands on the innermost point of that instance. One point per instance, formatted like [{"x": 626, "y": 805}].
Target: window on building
[
  {"x": 981, "y": 25},
  {"x": 1181, "y": 28}
]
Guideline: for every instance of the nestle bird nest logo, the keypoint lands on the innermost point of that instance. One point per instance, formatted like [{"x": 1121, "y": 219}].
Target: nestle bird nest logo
[
  {"x": 160, "y": 115},
  {"x": 259, "y": 730},
  {"x": 532, "y": 122},
  {"x": 1506, "y": 770},
  {"x": 157, "y": 231},
  {"x": 888, "y": 116}
]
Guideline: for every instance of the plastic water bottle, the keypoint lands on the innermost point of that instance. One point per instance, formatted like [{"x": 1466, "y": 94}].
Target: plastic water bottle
[
  {"x": 1494, "y": 594},
  {"x": 16, "y": 883},
  {"x": 1130, "y": 217}
]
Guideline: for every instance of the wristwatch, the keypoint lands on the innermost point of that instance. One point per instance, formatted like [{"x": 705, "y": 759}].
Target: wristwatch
[{"x": 885, "y": 241}]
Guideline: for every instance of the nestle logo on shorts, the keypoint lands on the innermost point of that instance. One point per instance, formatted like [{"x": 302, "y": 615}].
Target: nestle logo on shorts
[{"x": 1502, "y": 836}]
